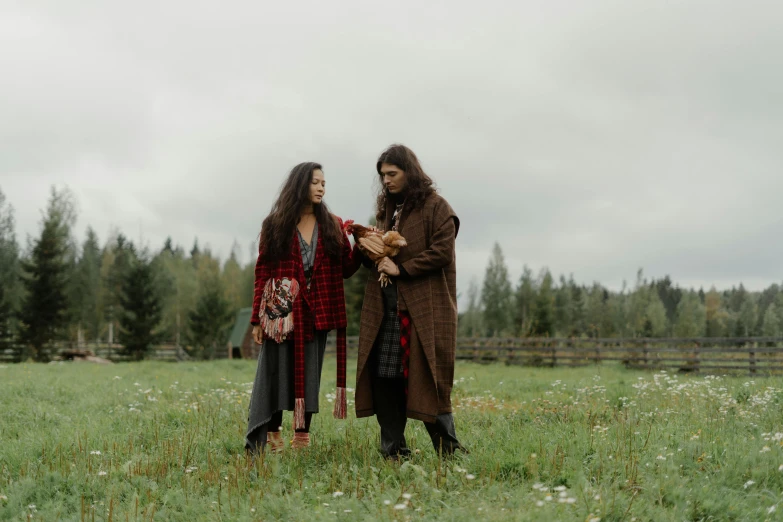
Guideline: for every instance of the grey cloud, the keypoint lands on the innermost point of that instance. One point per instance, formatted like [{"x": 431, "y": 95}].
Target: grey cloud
[{"x": 593, "y": 138}]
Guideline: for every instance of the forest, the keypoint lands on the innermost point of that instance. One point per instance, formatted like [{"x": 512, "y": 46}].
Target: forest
[{"x": 55, "y": 290}]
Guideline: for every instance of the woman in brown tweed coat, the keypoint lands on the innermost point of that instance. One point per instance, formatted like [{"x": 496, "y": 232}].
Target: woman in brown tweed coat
[{"x": 408, "y": 331}]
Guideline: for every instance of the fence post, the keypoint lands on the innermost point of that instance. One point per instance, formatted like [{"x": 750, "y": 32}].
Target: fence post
[
  {"x": 751, "y": 359},
  {"x": 644, "y": 353},
  {"x": 597, "y": 352},
  {"x": 554, "y": 353},
  {"x": 696, "y": 357}
]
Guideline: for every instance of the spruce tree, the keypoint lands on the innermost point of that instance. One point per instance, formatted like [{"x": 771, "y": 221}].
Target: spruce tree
[
  {"x": 496, "y": 296},
  {"x": 210, "y": 321},
  {"x": 86, "y": 288},
  {"x": 141, "y": 308},
  {"x": 9, "y": 273},
  {"x": 544, "y": 317},
  {"x": 525, "y": 297},
  {"x": 44, "y": 312}
]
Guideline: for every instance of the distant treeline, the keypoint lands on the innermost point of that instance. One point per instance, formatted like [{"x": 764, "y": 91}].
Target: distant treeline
[{"x": 56, "y": 290}]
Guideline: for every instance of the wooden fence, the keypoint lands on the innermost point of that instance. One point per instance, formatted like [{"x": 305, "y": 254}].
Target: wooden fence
[
  {"x": 113, "y": 352},
  {"x": 750, "y": 355}
]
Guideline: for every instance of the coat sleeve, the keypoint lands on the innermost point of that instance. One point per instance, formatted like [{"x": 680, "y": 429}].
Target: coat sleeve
[
  {"x": 261, "y": 277},
  {"x": 440, "y": 253},
  {"x": 352, "y": 256}
]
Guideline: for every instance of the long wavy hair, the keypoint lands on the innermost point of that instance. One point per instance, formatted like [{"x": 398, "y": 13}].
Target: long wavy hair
[
  {"x": 278, "y": 228},
  {"x": 418, "y": 184}
]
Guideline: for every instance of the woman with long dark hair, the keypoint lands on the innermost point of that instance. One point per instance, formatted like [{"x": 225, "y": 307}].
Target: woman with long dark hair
[{"x": 303, "y": 257}]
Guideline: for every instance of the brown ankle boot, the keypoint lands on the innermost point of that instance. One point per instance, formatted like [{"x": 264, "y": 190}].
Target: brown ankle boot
[
  {"x": 274, "y": 439},
  {"x": 301, "y": 440}
]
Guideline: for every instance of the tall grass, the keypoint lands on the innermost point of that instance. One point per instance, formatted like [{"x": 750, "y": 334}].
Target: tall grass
[{"x": 162, "y": 441}]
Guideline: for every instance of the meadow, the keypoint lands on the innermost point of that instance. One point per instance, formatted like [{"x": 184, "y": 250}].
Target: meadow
[{"x": 164, "y": 441}]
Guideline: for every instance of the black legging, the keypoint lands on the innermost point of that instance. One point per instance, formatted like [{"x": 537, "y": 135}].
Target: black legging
[{"x": 277, "y": 420}]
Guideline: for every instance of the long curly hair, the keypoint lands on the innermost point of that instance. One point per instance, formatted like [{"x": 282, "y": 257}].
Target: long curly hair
[
  {"x": 418, "y": 184},
  {"x": 277, "y": 230}
]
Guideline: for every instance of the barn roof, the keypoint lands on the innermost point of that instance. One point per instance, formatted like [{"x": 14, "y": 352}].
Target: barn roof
[{"x": 240, "y": 327}]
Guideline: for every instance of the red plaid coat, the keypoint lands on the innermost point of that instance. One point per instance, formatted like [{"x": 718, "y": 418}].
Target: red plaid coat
[{"x": 322, "y": 306}]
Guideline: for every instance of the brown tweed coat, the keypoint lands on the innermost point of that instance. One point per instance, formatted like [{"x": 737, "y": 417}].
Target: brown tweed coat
[{"x": 430, "y": 297}]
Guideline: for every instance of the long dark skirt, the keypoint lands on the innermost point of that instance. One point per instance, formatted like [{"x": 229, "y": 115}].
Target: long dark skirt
[{"x": 273, "y": 389}]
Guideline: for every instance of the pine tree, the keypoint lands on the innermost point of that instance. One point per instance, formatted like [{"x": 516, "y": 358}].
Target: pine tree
[
  {"x": 525, "y": 297},
  {"x": 44, "y": 312},
  {"x": 141, "y": 308},
  {"x": 544, "y": 317},
  {"x": 670, "y": 296},
  {"x": 563, "y": 308},
  {"x": 496, "y": 295},
  {"x": 596, "y": 312},
  {"x": 231, "y": 279},
  {"x": 119, "y": 255},
  {"x": 209, "y": 321},
  {"x": 86, "y": 288},
  {"x": 6, "y": 316},
  {"x": 9, "y": 274},
  {"x": 578, "y": 308},
  {"x": 470, "y": 323}
]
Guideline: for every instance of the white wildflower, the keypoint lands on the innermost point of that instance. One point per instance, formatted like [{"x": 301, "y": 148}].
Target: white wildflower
[
  {"x": 540, "y": 503},
  {"x": 748, "y": 484},
  {"x": 407, "y": 496},
  {"x": 400, "y": 507},
  {"x": 102, "y": 473},
  {"x": 96, "y": 452},
  {"x": 338, "y": 494},
  {"x": 771, "y": 510},
  {"x": 387, "y": 502},
  {"x": 548, "y": 498},
  {"x": 765, "y": 449},
  {"x": 560, "y": 488},
  {"x": 470, "y": 477}
]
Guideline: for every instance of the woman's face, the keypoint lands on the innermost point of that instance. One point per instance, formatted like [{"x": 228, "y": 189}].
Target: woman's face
[{"x": 317, "y": 187}]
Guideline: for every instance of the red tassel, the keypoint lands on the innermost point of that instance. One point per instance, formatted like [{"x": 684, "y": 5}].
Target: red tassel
[
  {"x": 299, "y": 414},
  {"x": 340, "y": 404}
]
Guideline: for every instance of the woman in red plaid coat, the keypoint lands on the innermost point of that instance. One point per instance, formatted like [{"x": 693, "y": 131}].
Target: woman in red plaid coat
[{"x": 303, "y": 257}]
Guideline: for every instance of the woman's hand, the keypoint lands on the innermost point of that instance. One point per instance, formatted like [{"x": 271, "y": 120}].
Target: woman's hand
[
  {"x": 258, "y": 334},
  {"x": 388, "y": 267}
]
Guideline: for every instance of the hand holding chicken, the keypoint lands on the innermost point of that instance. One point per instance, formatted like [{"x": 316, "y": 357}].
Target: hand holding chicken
[{"x": 376, "y": 245}]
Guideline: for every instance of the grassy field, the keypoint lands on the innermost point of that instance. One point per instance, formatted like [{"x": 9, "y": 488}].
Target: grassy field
[{"x": 164, "y": 441}]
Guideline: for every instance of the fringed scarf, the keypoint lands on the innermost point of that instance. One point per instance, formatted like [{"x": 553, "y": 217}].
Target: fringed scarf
[{"x": 280, "y": 313}]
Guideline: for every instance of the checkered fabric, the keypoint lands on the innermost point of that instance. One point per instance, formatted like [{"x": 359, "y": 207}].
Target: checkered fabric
[
  {"x": 389, "y": 348},
  {"x": 324, "y": 301}
]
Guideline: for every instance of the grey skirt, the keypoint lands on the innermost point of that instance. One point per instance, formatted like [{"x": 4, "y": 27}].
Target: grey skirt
[{"x": 273, "y": 389}]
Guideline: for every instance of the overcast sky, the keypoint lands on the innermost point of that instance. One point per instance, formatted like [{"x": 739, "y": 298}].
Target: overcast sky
[{"x": 594, "y": 137}]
